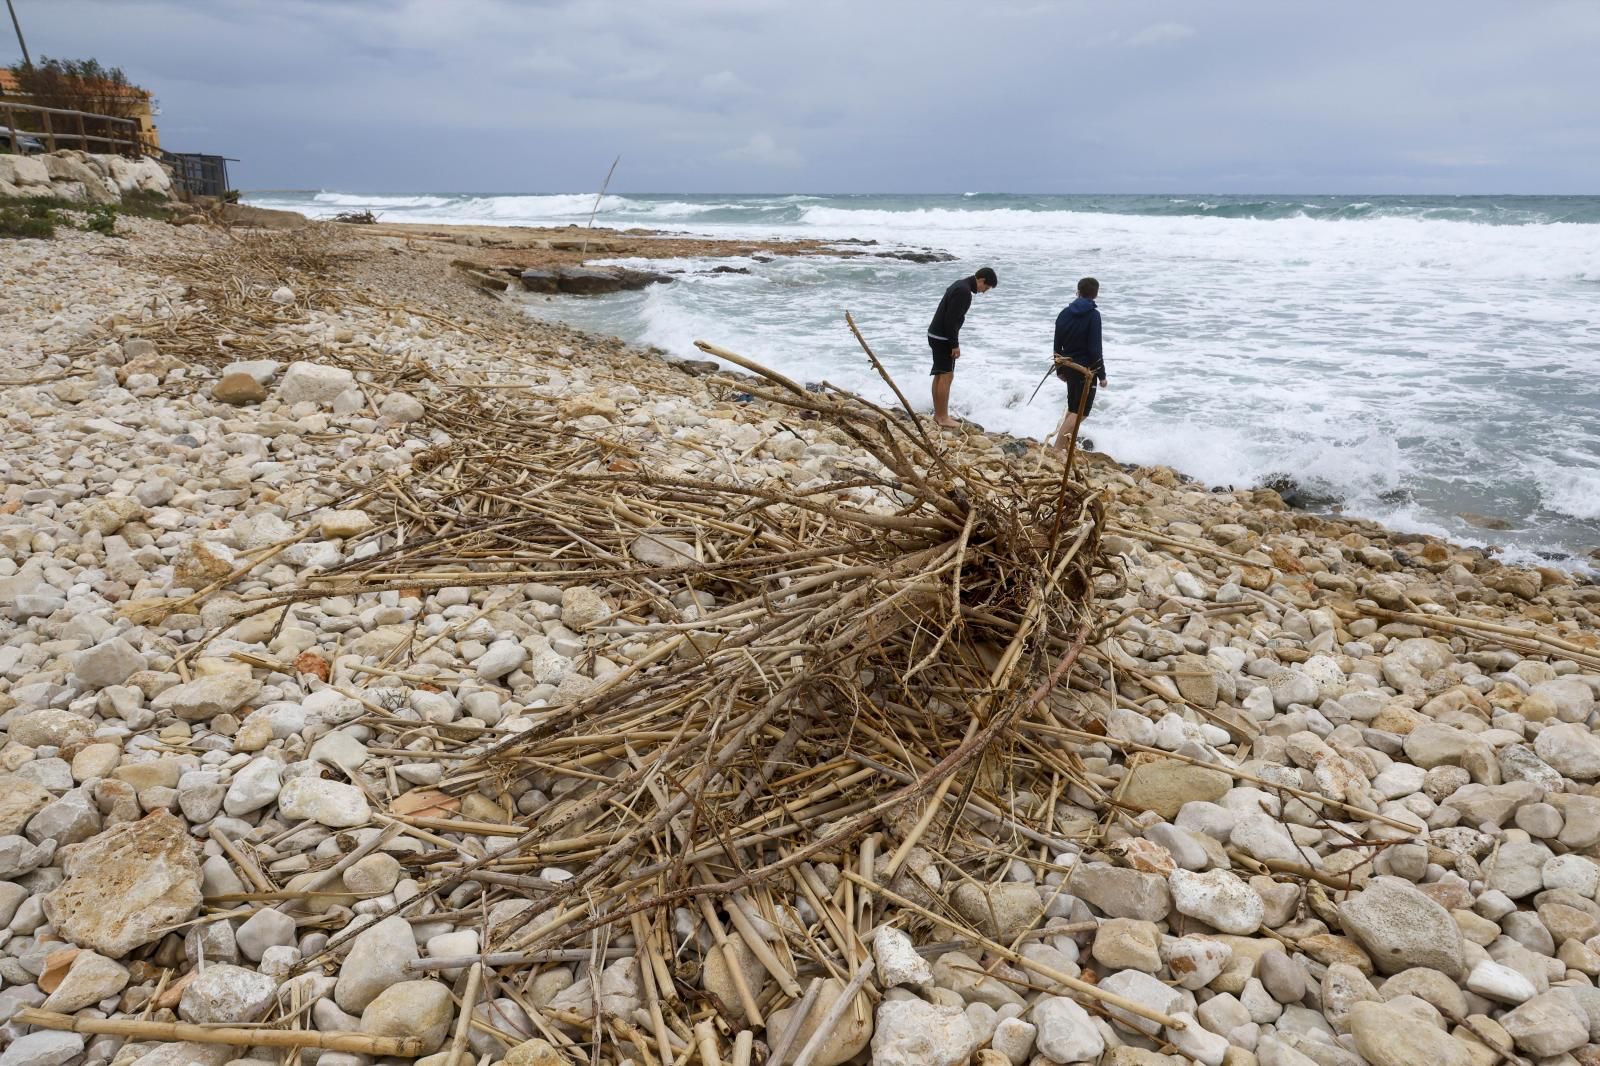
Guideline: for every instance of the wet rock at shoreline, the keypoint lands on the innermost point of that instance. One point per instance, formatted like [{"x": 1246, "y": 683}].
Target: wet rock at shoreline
[{"x": 587, "y": 280}]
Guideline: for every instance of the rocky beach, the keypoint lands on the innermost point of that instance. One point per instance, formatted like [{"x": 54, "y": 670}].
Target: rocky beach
[{"x": 390, "y": 676}]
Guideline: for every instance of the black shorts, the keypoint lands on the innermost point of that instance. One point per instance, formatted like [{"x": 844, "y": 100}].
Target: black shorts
[
  {"x": 1076, "y": 383},
  {"x": 942, "y": 362}
]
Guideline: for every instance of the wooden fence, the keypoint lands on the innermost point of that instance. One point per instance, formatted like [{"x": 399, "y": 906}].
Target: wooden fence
[{"x": 59, "y": 128}]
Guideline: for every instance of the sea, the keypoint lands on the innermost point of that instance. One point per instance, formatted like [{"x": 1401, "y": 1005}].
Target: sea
[{"x": 1408, "y": 359}]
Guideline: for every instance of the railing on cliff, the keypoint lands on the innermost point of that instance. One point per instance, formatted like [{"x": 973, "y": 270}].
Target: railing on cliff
[{"x": 56, "y": 125}]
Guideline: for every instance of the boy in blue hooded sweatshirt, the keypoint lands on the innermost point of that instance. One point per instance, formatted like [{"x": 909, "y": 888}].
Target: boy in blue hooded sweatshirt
[{"x": 1079, "y": 357}]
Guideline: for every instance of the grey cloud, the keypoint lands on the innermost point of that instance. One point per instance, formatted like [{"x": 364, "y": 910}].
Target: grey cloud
[{"x": 937, "y": 95}]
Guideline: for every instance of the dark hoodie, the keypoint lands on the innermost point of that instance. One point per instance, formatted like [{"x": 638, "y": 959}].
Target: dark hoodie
[
  {"x": 952, "y": 312},
  {"x": 1078, "y": 336}
]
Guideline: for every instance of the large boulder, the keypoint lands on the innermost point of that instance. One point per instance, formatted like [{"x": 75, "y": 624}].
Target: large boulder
[
  {"x": 24, "y": 171},
  {"x": 125, "y": 887},
  {"x": 66, "y": 169}
]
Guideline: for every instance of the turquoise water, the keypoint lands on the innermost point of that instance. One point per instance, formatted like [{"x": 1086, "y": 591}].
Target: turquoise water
[{"x": 1407, "y": 358}]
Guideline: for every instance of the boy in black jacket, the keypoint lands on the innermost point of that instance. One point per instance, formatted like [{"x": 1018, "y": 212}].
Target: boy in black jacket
[
  {"x": 944, "y": 337},
  {"x": 1080, "y": 362}
]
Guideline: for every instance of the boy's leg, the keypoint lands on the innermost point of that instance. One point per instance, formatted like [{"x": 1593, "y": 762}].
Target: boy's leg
[
  {"x": 941, "y": 400},
  {"x": 1069, "y": 426}
]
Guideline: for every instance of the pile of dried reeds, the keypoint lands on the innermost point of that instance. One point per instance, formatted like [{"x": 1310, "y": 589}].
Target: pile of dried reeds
[
  {"x": 818, "y": 717},
  {"x": 864, "y": 651}
]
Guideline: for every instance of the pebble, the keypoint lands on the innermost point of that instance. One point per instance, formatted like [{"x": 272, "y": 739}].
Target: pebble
[
  {"x": 1217, "y": 898},
  {"x": 377, "y": 960},
  {"x": 44, "y": 1048},
  {"x": 911, "y": 1032},
  {"x": 226, "y": 994},
  {"x": 328, "y": 803},
  {"x": 1064, "y": 1032},
  {"x": 238, "y": 389},
  {"x": 373, "y": 875},
  {"x": 421, "y": 1009},
  {"x": 1400, "y": 927},
  {"x": 897, "y": 960},
  {"x": 266, "y": 928}
]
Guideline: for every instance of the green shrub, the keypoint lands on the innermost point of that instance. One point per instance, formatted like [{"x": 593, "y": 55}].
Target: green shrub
[
  {"x": 40, "y": 206},
  {"x": 141, "y": 203},
  {"x": 101, "y": 219},
  {"x": 35, "y": 217}
]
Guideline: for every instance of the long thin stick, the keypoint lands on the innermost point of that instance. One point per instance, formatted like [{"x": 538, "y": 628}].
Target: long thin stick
[
  {"x": 601, "y": 195},
  {"x": 1039, "y": 386},
  {"x": 332, "y": 873},
  {"x": 469, "y": 1000},
  {"x": 408, "y": 1047},
  {"x": 780, "y": 1047},
  {"x": 830, "y": 1020}
]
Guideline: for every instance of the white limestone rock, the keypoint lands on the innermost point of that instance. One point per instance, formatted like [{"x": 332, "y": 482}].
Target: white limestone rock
[
  {"x": 329, "y": 803},
  {"x": 912, "y": 1032},
  {"x": 221, "y": 993},
  {"x": 897, "y": 960}
]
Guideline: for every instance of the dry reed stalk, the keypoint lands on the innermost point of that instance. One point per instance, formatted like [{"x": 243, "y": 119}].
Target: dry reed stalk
[
  {"x": 836, "y": 1011},
  {"x": 469, "y": 1000},
  {"x": 743, "y": 1048},
  {"x": 184, "y": 1032}
]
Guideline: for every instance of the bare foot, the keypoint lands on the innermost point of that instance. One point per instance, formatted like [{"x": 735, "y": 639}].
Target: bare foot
[{"x": 947, "y": 422}]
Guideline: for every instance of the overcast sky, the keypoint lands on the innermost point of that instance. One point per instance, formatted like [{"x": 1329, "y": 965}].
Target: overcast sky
[{"x": 861, "y": 95}]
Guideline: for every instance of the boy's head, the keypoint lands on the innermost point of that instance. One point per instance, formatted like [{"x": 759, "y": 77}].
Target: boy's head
[
  {"x": 987, "y": 279},
  {"x": 1088, "y": 288}
]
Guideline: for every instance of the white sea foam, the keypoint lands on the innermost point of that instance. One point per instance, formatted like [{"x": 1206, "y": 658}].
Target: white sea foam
[
  {"x": 1572, "y": 490},
  {"x": 343, "y": 200},
  {"x": 1391, "y": 355}
]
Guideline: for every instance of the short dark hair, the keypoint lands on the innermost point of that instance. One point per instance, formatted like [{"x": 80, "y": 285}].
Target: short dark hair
[
  {"x": 1088, "y": 288},
  {"x": 987, "y": 276}
]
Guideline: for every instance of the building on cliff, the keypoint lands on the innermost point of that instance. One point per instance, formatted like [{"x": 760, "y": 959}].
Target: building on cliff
[{"x": 99, "y": 96}]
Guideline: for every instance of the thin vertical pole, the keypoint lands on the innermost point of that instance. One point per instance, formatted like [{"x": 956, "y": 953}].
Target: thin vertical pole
[
  {"x": 598, "y": 197},
  {"x": 49, "y": 133},
  {"x": 18, "y": 27}
]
